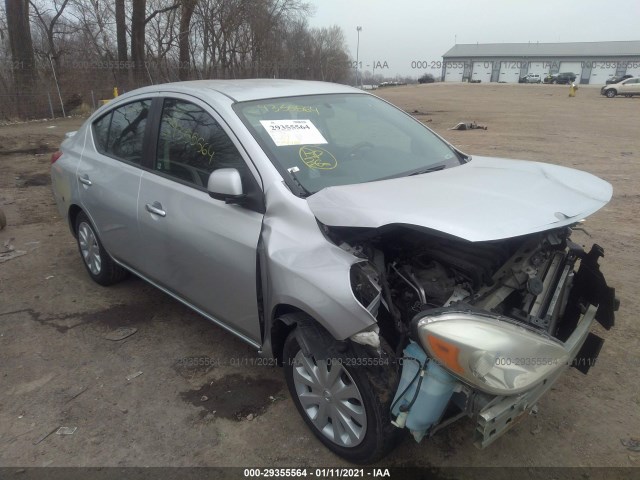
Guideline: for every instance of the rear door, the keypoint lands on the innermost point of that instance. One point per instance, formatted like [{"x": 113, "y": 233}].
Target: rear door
[
  {"x": 109, "y": 177},
  {"x": 201, "y": 249}
]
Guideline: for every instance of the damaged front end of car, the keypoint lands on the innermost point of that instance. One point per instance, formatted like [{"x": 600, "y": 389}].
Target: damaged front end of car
[{"x": 481, "y": 329}]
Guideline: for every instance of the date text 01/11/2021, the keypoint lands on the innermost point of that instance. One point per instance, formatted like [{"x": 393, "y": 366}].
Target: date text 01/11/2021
[{"x": 317, "y": 472}]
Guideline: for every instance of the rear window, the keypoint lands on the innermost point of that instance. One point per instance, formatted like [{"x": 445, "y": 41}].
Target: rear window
[
  {"x": 101, "y": 132},
  {"x": 120, "y": 133}
]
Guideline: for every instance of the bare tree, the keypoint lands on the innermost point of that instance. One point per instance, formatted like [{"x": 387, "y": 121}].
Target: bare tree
[
  {"x": 161, "y": 44},
  {"x": 329, "y": 58},
  {"x": 94, "y": 21},
  {"x": 48, "y": 22},
  {"x": 94, "y": 42},
  {"x": 165, "y": 40},
  {"x": 23, "y": 59},
  {"x": 184, "y": 59},
  {"x": 121, "y": 31},
  {"x": 139, "y": 20},
  {"x": 137, "y": 37}
]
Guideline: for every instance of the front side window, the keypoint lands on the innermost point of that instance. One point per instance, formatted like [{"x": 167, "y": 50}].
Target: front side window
[
  {"x": 192, "y": 144},
  {"x": 328, "y": 140},
  {"x": 120, "y": 133}
]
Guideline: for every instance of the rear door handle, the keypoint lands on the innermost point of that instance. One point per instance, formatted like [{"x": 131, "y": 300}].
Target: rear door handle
[
  {"x": 156, "y": 208},
  {"x": 85, "y": 179}
]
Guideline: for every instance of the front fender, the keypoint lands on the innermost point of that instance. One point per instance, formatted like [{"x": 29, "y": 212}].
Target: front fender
[{"x": 303, "y": 269}]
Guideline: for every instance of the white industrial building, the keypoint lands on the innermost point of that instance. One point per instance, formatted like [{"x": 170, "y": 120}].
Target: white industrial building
[{"x": 592, "y": 62}]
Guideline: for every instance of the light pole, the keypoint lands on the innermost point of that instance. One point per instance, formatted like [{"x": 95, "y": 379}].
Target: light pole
[{"x": 359, "y": 29}]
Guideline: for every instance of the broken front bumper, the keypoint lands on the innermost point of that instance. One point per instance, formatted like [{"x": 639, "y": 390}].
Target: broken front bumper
[
  {"x": 501, "y": 413},
  {"x": 421, "y": 405},
  {"x": 493, "y": 368}
]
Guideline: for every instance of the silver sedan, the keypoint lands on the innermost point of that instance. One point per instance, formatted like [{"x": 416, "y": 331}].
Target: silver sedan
[{"x": 401, "y": 283}]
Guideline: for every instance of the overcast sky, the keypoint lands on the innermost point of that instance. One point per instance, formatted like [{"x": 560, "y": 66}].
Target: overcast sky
[{"x": 402, "y": 31}]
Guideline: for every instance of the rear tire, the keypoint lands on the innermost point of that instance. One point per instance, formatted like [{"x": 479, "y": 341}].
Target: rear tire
[
  {"x": 353, "y": 416},
  {"x": 101, "y": 267}
]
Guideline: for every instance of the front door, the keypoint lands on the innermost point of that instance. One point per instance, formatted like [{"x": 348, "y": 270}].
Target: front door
[{"x": 199, "y": 248}]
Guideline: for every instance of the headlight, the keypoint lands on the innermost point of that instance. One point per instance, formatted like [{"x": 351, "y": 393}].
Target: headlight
[{"x": 486, "y": 352}]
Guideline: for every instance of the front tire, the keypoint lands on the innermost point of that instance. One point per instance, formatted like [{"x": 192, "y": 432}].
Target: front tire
[
  {"x": 347, "y": 407},
  {"x": 611, "y": 93},
  {"x": 101, "y": 267}
]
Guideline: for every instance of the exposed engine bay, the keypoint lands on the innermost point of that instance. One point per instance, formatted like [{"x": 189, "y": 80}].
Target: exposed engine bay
[
  {"x": 528, "y": 279},
  {"x": 484, "y": 328}
]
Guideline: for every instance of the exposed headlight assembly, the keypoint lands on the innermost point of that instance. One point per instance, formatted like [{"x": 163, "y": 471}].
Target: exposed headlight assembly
[{"x": 489, "y": 353}]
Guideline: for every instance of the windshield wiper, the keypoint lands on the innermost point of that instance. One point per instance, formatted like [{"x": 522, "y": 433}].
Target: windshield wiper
[
  {"x": 427, "y": 170},
  {"x": 292, "y": 173},
  {"x": 418, "y": 171}
]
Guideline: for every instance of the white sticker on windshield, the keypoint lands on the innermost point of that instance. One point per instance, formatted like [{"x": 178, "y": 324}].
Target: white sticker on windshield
[{"x": 293, "y": 132}]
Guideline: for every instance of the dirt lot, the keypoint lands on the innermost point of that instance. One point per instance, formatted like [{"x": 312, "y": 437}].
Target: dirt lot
[{"x": 60, "y": 369}]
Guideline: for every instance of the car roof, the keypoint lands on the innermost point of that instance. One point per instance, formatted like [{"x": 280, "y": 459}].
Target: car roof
[{"x": 251, "y": 89}]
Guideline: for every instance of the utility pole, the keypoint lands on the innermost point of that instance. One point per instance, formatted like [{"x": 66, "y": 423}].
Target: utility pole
[{"x": 359, "y": 29}]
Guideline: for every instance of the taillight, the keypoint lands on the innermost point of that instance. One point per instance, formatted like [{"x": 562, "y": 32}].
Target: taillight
[{"x": 55, "y": 156}]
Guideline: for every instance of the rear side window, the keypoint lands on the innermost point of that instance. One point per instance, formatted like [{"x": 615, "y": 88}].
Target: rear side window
[
  {"x": 101, "y": 132},
  {"x": 192, "y": 144},
  {"x": 120, "y": 133}
]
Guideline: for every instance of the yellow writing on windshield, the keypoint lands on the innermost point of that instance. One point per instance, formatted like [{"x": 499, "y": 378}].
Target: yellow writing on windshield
[
  {"x": 283, "y": 107},
  {"x": 317, "y": 158}
]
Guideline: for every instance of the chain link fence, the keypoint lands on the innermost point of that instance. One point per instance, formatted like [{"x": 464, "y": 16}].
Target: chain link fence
[
  {"x": 45, "y": 104},
  {"x": 80, "y": 87},
  {"x": 76, "y": 91}
]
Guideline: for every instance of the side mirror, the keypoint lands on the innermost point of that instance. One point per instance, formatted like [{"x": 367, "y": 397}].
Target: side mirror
[{"x": 226, "y": 184}]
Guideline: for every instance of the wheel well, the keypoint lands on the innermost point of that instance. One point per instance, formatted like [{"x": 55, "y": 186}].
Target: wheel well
[
  {"x": 280, "y": 330},
  {"x": 74, "y": 210}
]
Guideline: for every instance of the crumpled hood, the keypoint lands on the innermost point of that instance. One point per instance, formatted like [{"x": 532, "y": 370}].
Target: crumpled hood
[{"x": 485, "y": 199}]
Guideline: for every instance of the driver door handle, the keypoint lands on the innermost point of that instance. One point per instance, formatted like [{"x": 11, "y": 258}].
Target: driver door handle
[
  {"x": 85, "y": 180},
  {"x": 156, "y": 208}
]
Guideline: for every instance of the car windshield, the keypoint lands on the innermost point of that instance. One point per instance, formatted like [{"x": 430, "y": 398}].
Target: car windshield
[{"x": 319, "y": 141}]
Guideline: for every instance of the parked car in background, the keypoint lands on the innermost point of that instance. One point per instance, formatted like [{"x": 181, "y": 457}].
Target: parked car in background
[
  {"x": 563, "y": 78},
  {"x": 427, "y": 78},
  {"x": 628, "y": 88},
  {"x": 531, "y": 78},
  {"x": 618, "y": 79},
  {"x": 395, "y": 294}
]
